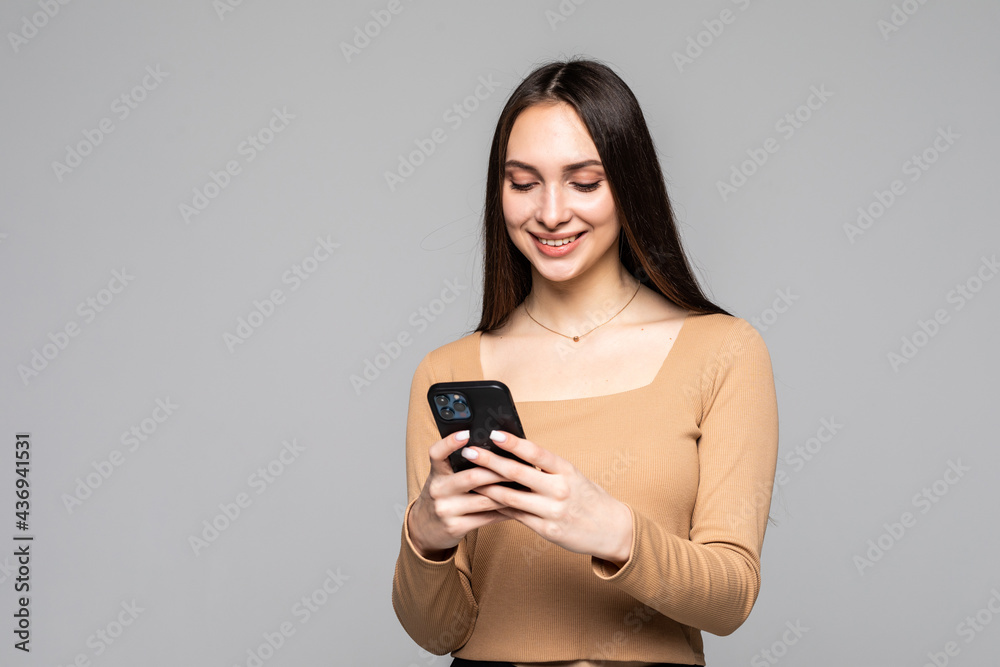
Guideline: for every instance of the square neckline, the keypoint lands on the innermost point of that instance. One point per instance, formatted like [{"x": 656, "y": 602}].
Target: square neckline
[{"x": 580, "y": 399}]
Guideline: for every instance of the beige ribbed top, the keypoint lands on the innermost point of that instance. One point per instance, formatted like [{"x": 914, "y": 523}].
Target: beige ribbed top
[{"x": 692, "y": 454}]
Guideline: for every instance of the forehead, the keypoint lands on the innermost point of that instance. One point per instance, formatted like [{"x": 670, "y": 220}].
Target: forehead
[{"x": 549, "y": 131}]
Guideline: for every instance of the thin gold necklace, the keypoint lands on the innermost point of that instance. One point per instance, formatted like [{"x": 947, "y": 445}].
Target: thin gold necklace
[{"x": 577, "y": 338}]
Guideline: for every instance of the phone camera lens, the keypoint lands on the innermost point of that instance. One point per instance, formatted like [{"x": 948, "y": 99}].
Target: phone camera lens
[
  {"x": 441, "y": 400},
  {"x": 447, "y": 413},
  {"x": 460, "y": 406}
]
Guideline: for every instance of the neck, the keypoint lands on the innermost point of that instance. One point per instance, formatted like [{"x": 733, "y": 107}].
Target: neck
[{"x": 576, "y": 306}]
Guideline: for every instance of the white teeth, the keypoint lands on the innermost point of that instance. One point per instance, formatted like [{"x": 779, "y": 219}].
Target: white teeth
[{"x": 559, "y": 242}]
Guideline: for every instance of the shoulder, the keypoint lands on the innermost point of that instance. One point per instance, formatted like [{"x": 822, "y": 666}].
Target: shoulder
[
  {"x": 718, "y": 330},
  {"x": 722, "y": 341},
  {"x": 452, "y": 360}
]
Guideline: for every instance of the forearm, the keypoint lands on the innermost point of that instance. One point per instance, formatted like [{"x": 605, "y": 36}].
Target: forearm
[
  {"x": 432, "y": 598},
  {"x": 712, "y": 587}
]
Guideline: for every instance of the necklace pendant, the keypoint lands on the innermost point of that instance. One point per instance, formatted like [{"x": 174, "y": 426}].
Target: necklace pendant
[{"x": 576, "y": 338}]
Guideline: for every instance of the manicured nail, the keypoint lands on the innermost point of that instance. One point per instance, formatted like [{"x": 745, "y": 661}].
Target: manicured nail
[
  {"x": 469, "y": 453},
  {"x": 498, "y": 436},
  {"x": 462, "y": 435}
]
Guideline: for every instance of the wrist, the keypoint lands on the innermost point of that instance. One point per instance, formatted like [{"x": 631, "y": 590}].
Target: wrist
[
  {"x": 623, "y": 552},
  {"x": 417, "y": 543}
]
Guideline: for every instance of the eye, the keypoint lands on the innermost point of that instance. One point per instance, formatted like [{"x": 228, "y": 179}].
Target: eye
[{"x": 583, "y": 187}]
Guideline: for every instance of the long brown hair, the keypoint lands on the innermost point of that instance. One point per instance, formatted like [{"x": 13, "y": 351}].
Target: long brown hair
[{"x": 649, "y": 246}]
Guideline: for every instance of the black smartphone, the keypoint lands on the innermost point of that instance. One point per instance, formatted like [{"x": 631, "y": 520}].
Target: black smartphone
[{"x": 479, "y": 406}]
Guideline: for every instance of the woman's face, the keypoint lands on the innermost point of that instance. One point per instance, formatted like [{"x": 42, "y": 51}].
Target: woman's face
[{"x": 555, "y": 188}]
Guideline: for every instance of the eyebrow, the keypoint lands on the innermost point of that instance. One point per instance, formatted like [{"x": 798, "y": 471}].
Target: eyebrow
[{"x": 517, "y": 164}]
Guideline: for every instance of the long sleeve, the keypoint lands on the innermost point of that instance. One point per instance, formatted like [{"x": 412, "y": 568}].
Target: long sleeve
[
  {"x": 711, "y": 580},
  {"x": 433, "y": 600}
]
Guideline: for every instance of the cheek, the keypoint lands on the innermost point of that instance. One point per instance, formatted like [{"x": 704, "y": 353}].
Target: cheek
[
  {"x": 513, "y": 210},
  {"x": 512, "y": 220},
  {"x": 598, "y": 209}
]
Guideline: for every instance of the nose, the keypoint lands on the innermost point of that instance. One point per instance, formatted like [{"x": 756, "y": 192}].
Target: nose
[{"x": 552, "y": 209}]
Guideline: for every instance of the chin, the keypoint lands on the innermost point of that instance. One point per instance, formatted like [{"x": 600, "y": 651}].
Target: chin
[{"x": 559, "y": 275}]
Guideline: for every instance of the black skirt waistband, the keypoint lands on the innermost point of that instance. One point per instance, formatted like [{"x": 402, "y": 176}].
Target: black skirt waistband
[{"x": 462, "y": 662}]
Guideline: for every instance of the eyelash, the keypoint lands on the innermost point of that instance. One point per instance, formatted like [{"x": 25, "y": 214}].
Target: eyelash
[{"x": 583, "y": 187}]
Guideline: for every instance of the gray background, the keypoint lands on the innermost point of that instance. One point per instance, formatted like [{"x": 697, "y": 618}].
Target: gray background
[{"x": 336, "y": 506}]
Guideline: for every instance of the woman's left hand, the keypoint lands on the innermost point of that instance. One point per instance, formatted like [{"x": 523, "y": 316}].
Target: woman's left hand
[{"x": 564, "y": 507}]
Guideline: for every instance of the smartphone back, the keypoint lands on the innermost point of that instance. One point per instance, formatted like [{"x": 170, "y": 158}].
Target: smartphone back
[{"x": 479, "y": 406}]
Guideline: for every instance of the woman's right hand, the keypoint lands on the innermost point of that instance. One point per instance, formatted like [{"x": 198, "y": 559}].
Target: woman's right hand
[{"x": 445, "y": 510}]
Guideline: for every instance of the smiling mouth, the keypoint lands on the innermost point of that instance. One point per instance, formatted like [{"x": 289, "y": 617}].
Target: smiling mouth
[{"x": 555, "y": 243}]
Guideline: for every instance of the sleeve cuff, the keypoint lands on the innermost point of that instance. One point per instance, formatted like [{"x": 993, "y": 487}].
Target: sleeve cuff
[
  {"x": 609, "y": 571},
  {"x": 447, "y": 562}
]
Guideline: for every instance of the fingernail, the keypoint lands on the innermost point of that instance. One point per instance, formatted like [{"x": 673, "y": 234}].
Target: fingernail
[
  {"x": 469, "y": 453},
  {"x": 462, "y": 435},
  {"x": 498, "y": 436}
]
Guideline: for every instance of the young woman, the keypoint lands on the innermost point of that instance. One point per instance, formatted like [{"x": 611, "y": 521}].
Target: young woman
[{"x": 650, "y": 414}]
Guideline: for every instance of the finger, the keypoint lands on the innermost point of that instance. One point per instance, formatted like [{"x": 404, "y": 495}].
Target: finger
[
  {"x": 440, "y": 450},
  {"x": 486, "y": 518},
  {"x": 523, "y": 501},
  {"x": 469, "y": 503},
  {"x": 530, "y": 452},
  {"x": 519, "y": 515},
  {"x": 513, "y": 470},
  {"x": 470, "y": 522},
  {"x": 467, "y": 480}
]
